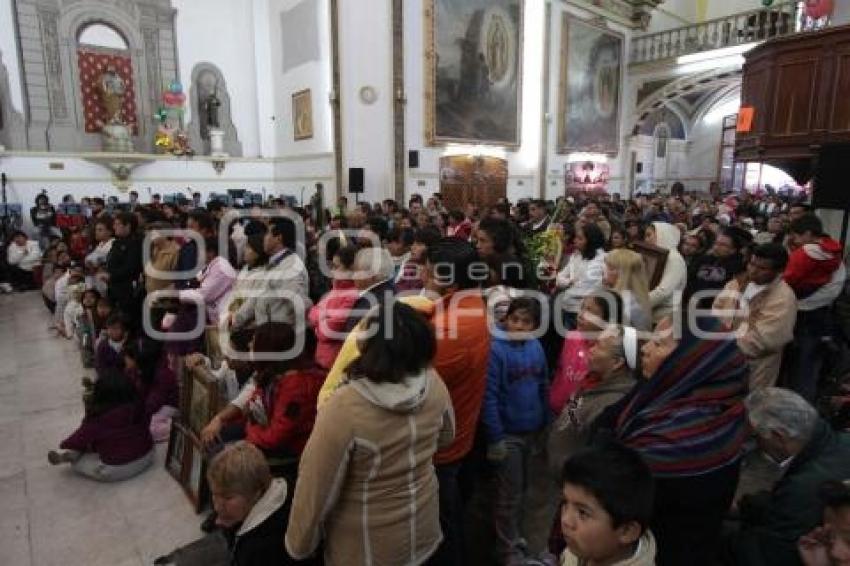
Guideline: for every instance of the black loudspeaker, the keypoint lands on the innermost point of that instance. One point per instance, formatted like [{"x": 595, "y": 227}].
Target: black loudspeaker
[
  {"x": 413, "y": 159},
  {"x": 355, "y": 180},
  {"x": 639, "y": 167},
  {"x": 830, "y": 182}
]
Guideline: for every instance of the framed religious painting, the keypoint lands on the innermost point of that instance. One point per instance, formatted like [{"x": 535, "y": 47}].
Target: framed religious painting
[
  {"x": 473, "y": 83},
  {"x": 302, "y": 115},
  {"x": 176, "y": 454},
  {"x": 589, "y": 89},
  {"x": 203, "y": 400},
  {"x": 654, "y": 260}
]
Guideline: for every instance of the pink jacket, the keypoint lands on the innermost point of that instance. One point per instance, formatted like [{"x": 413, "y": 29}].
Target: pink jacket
[
  {"x": 216, "y": 281},
  {"x": 572, "y": 370},
  {"x": 328, "y": 317}
]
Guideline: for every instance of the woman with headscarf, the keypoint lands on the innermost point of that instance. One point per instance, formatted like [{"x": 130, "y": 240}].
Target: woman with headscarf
[
  {"x": 687, "y": 420},
  {"x": 666, "y": 297}
]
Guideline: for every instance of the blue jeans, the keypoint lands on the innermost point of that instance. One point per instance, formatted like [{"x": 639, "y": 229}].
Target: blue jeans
[{"x": 510, "y": 483}]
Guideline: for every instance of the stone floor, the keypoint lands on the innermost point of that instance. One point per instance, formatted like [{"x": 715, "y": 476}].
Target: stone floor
[{"x": 50, "y": 515}]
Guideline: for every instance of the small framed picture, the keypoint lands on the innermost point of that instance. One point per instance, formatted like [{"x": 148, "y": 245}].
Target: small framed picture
[
  {"x": 302, "y": 115},
  {"x": 186, "y": 462},
  {"x": 176, "y": 454},
  {"x": 203, "y": 401},
  {"x": 654, "y": 259}
]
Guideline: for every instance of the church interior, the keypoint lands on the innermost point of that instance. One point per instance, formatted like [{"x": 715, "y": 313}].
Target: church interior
[{"x": 307, "y": 101}]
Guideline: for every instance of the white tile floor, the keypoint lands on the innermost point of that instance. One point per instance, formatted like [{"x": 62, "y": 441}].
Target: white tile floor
[{"x": 48, "y": 515}]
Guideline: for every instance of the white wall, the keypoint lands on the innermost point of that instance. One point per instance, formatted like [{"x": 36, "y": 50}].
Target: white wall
[
  {"x": 673, "y": 14},
  {"x": 310, "y": 161},
  {"x": 222, "y": 32},
  {"x": 9, "y": 53},
  {"x": 365, "y": 30}
]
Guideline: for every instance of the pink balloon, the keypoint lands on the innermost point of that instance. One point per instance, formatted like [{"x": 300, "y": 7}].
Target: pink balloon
[{"x": 817, "y": 9}]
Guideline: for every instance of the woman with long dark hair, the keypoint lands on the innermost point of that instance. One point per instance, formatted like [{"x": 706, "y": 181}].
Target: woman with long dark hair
[{"x": 584, "y": 270}]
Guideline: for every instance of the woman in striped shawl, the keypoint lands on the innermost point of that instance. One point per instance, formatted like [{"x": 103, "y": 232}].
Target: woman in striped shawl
[{"x": 687, "y": 421}]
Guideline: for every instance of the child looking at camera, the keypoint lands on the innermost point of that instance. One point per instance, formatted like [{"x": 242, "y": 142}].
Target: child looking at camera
[{"x": 608, "y": 495}]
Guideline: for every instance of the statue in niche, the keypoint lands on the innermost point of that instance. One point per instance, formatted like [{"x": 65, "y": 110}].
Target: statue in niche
[
  {"x": 112, "y": 91},
  {"x": 211, "y": 106}
]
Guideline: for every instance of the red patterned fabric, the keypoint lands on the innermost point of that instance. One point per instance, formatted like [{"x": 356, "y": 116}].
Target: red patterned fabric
[{"x": 92, "y": 65}]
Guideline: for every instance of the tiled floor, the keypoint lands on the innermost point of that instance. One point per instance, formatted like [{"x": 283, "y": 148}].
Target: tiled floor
[{"x": 49, "y": 515}]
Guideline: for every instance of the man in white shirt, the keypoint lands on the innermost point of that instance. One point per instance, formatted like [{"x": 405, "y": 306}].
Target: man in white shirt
[
  {"x": 283, "y": 295},
  {"x": 22, "y": 255}
]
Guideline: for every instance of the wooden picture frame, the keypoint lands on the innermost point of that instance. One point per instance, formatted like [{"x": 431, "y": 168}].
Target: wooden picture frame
[
  {"x": 455, "y": 106},
  {"x": 176, "y": 454},
  {"x": 654, "y": 260},
  {"x": 588, "y": 120},
  {"x": 203, "y": 401},
  {"x": 302, "y": 115},
  {"x": 186, "y": 462}
]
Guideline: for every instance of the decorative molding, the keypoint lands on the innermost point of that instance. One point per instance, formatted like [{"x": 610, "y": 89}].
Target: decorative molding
[{"x": 48, "y": 21}]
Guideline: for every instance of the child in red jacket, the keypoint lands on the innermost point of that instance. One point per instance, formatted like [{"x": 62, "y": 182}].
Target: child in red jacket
[
  {"x": 278, "y": 404},
  {"x": 815, "y": 258}
]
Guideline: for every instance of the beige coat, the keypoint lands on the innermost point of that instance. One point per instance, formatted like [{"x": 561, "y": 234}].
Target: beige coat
[
  {"x": 764, "y": 328},
  {"x": 366, "y": 483}
]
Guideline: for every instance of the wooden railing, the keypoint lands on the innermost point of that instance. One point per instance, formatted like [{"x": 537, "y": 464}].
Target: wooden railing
[{"x": 781, "y": 19}]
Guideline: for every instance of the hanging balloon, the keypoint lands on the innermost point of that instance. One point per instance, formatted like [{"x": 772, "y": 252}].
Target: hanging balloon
[
  {"x": 767, "y": 3},
  {"x": 817, "y": 9},
  {"x": 175, "y": 87}
]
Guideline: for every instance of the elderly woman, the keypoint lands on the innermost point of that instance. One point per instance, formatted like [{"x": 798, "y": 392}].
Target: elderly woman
[
  {"x": 367, "y": 484},
  {"x": 611, "y": 379},
  {"x": 687, "y": 421}
]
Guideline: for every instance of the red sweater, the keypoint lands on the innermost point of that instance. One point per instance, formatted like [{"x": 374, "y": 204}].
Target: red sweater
[
  {"x": 290, "y": 407},
  {"x": 811, "y": 266},
  {"x": 329, "y": 316}
]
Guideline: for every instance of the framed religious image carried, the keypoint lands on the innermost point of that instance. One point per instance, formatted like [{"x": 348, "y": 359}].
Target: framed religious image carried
[
  {"x": 473, "y": 62},
  {"x": 203, "y": 400},
  {"x": 589, "y": 88},
  {"x": 654, "y": 260},
  {"x": 176, "y": 455},
  {"x": 186, "y": 462},
  {"x": 302, "y": 115}
]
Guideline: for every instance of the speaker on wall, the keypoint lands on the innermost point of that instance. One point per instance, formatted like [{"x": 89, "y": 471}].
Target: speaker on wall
[
  {"x": 639, "y": 167},
  {"x": 355, "y": 180},
  {"x": 413, "y": 158}
]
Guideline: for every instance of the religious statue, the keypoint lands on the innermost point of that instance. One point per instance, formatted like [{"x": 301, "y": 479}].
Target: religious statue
[
  {"x": 112, "y": 90},
  {"x": 211, "y": 106}
]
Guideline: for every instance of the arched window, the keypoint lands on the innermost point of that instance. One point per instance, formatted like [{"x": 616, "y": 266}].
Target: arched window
[
  {"x": 102, "y": 35},
  {"x": 662, "y": 136}
]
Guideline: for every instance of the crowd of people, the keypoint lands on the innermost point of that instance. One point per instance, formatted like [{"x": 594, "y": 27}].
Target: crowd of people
[{"x": 383, "y": 362}]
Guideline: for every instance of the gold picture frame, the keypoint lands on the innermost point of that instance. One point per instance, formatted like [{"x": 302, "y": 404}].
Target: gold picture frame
[
  {"x": 302, "y": 115},
  {"x": 502, "y": 22},
  {"x": 595, "y": 125}
]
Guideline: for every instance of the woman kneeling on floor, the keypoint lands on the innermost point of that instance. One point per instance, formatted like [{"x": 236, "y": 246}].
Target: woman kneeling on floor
[{"x": 113, "y": 443}]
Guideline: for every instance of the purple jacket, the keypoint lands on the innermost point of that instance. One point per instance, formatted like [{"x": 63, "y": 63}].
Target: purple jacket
[
  {"x": 161, "y": 391},
  {"x": 105, "y": 357},
  {"x": 119, "y": 436}
]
